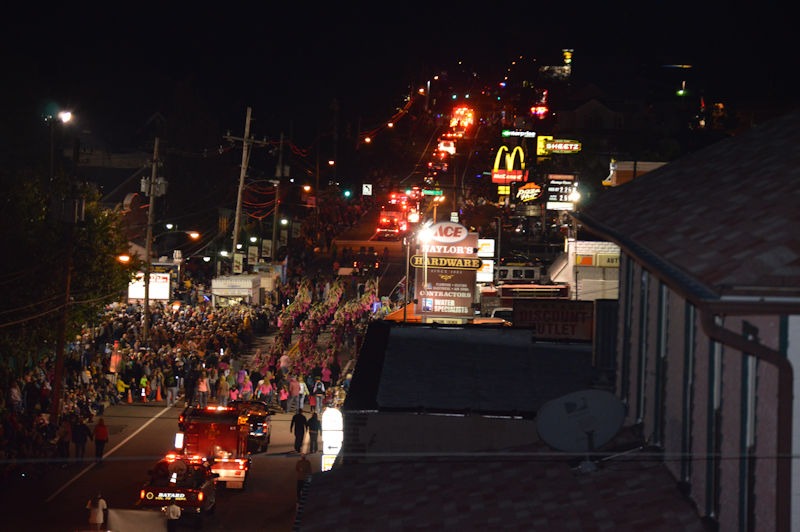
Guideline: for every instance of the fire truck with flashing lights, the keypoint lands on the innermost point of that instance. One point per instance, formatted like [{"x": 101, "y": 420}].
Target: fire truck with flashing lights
[
  {"x": 220, "y": 434},
  {"x": 187, "y": 480}
]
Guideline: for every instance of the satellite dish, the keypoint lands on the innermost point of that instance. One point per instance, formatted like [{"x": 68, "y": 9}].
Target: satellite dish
[{"x": 580, "y": 422}]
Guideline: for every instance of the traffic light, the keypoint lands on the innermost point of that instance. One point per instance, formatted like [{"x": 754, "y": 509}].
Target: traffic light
[{"x": 346, "y": 193}]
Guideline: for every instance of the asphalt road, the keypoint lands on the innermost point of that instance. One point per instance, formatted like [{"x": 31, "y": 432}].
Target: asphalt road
[{"x": 55, "y": 498}]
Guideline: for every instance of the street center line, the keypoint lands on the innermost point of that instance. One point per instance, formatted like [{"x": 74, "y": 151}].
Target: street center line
[{"x": 109, "y": 453}]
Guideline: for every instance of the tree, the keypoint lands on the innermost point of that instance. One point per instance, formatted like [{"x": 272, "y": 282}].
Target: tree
[{"x": 39, "y": 243}]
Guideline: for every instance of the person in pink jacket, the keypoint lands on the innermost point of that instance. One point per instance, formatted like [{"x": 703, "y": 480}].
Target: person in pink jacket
[{"x": 247, "y": 389}]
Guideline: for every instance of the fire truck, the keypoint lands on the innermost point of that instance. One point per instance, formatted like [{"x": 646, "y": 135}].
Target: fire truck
[{"x": 220, "y": 434}]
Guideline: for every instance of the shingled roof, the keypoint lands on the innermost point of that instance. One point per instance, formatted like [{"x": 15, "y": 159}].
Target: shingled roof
[
  {"x": 419, "y": 370},
  {"x": 724, "y": 219}
]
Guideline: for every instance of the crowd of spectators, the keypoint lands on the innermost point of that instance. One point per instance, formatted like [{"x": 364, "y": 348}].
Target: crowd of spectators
[{"x": 194, "y": 348}]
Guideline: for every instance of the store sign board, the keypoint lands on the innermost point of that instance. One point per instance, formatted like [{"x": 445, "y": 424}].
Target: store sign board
[
  {"x": 559, "y": 189},
  {"x": 608, "y": 260},
  {"x": 529, "y": 192},
  {"x": 511, "y": 158},
  {"x": 551, "y": 319},
  {"x": 562, "y": 146},
  {"x": 159, "y": 287},
  {"x": 445, "y": 272},
  {"x": 523, "y": 134}
]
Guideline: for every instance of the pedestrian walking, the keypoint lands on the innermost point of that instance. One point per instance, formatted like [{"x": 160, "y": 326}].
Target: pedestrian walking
[
  {"x": 63, "y": 439},
  {"x": 314, "y": 427},
  {"x": 318, "y": 390},
  {"x": 100, "y": 439},
  {"x": 294, "y": 394},
  {"x": 283, "y": 398},
  {"x": 173, "y": 515},
  {"x": 97, "y": 507},
  {"x": 247, "y": 388},
  {"x": 304, "y": 392},
  {"x": 81, "y": 434},
  {"x": 303, "y": 468},
  {"x": 298, "y": 426}
]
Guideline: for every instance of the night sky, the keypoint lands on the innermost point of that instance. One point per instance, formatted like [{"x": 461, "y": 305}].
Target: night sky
[{"x": 117, "y": 66}]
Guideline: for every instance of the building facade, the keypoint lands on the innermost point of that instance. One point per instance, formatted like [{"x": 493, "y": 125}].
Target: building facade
[{"x": 708, "y": 323}]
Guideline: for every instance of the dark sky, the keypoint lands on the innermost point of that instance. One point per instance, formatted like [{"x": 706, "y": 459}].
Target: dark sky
[{"x": 117, "y": 65}]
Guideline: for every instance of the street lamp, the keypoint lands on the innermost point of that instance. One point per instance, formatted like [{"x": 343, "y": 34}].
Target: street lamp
[
  {"x": 574, "y": 198},
  {"x": 63, "y": 117},
  {"x": 407, "y": 243},
  {"x": 436, "y": 201},
  {"x": 70, "y": 217},
  {"x": 425, "y": 235}
]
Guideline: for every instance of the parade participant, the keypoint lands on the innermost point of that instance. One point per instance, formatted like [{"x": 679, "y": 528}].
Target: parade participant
[
  {"x": 314, "y": 428},
  {"x": 63, "y": 439},
  {"x": 173, "y": 515},
  {"x": 303, "y": 468},
  {"x": 80, "y": 437},
  {"x": 97, "y": 507},
  {"x": 294, "y": 394},
  {"x": 223, "y": 392},
  {"x": 283, "y": 398},
  {"x": 299, "y": 426},
  {"x": 319, "y": 394},
  {"x": 100, "y": 439}
]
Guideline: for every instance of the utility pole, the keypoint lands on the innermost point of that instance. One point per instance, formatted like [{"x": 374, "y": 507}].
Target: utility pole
[
  {"x": 247, "y": 142},
  {"x": 151, "y": 187},
  {"x": 242, "y": 174},
  {"x": 317, "y": 195},
  {"x": 335, "y": 107},
  {"x": 72, "y": 212},
  {"x": 277, "y": 183}
]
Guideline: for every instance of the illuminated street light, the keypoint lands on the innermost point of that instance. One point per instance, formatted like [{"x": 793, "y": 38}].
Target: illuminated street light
[
  {"x": 63, "y": 117},
  {"x": 424, "y": 235},
  {"x": 436, "y": 201},
  {"x": 574, "y": 198}
]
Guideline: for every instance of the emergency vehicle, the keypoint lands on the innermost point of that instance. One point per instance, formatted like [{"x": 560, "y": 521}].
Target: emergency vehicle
[
  {"x": 220, "y": 435},
  {"x": 188, "y": 480},
  {"x": 259, "y": 417}
]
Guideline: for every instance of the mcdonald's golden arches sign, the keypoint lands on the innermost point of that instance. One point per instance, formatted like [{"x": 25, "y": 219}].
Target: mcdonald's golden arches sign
[{"x": 513, "y": 165}]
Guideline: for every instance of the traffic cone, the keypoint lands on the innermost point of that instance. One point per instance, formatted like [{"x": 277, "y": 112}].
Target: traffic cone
[
  {"x": 144, "y": 396},
  {"x": 130, "y": 396},
  {"x": 158, "y": 394}
]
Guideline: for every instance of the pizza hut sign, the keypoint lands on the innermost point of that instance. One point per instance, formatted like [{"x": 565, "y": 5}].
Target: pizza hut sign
[{"x": 529, "y": 192}]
